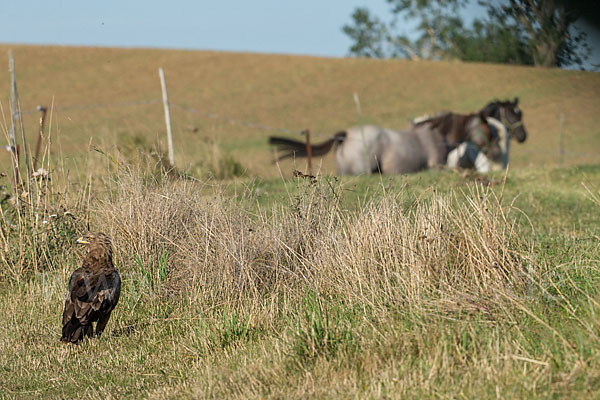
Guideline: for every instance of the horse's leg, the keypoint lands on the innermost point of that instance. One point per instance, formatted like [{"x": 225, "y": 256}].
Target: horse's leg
[{"x": 434, "y": 148}]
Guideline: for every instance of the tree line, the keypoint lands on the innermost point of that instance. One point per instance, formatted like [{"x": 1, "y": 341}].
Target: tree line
[{"x": 526, "y": 32}]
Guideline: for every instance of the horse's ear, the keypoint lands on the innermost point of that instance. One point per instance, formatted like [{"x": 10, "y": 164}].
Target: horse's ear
[{"x": 515, "y": 101}]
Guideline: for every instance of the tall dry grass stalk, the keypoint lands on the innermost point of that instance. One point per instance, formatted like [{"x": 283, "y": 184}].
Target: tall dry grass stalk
[
  {"x": 448, "y": 252},
  {"x": 39, "y": 216}
]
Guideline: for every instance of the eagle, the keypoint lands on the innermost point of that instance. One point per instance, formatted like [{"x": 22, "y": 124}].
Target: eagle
[{"x": 94, "y": 290}]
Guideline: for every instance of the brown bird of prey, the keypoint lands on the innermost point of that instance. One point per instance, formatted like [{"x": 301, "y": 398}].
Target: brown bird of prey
[{"x": 94, "y": 290}]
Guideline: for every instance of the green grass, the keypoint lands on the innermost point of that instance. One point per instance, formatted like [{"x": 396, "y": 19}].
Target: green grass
[
  {"x": 554, "y": 198},
  {"x": 298, "y": 341},
  {"x": 241, "y": 282}
]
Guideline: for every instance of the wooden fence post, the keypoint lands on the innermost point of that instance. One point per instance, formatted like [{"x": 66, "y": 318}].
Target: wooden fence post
[
  {"x": 163, "y": 85},
  {"x": 357, "y": 102},
  {"x": 308, "y": 151},
  {"x": 366, "y": 147},
  {"x": 561, "y": 140},
  {"x": 11, "y": 133}
]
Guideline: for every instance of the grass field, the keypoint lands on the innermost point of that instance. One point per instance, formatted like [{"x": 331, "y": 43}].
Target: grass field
[
  {"x": 440, "y": 284},
  {"x": 284, "y": 92}
]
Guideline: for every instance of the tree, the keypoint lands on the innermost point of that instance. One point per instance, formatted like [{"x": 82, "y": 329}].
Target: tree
[
  {"x": 438, "y": 24},
  {"x": 368, "y": 34},
  {"x": 548, "y": 25},
  {"x": 493, "y": 43},
  {"x": 532, "y": 32}
]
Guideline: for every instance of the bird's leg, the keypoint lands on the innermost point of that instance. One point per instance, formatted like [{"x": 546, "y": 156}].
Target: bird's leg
[
  {"x": 102, "y": 324},
  {"x": 88, "y": 330}
]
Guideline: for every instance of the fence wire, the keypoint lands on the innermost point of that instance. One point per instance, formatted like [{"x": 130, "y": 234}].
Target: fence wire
[
  {"x": 101, "y": 105},
  {"x": 260, "y": 127},
  {"x": 248, "y": 124},
  {"x": 183, "y": 107}
]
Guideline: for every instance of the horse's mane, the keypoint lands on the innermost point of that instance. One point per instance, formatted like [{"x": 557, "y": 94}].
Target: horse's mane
[
  {"x": 497, "y": 103},
  {"x": 435, "y": 119},
  {"x": 446, "y": 123}
]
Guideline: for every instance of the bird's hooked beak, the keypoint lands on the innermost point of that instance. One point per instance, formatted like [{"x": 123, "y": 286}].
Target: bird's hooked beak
[{"x": 82, "y": 240}]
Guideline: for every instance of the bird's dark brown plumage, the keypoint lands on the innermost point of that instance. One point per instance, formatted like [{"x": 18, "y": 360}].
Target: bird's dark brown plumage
[{"x": 94, "y": 290}]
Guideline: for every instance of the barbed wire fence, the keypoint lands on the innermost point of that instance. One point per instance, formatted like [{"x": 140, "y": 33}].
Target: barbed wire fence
[
  {"x": 98, "y": 106},
  {"x": 183, "y": 107},
  {"x": 562, "y": 153},
  {"x": 233, "y": 121},
  {"x": 17, "y": 113},
  {"x": 144, "y": 102}
]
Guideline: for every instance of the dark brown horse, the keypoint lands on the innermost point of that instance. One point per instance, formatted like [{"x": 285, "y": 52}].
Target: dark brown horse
[
  {"x": 506, "y": 114},
  {"x": 510, "y": 115},
  {"x": 458, "y": 128}
]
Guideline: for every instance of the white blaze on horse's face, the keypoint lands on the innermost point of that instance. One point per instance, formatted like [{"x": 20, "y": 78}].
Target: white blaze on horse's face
[{"x": 512, "y": 117}]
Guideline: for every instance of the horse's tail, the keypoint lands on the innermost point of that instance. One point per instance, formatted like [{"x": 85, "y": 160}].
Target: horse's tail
[{"x": 296, "y": 148}]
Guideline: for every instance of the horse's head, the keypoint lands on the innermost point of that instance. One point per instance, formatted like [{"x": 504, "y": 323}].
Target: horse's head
[{"x": 511, "y": 116}]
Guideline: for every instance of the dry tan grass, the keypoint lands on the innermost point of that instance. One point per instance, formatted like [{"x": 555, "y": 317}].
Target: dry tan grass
[
  {"x": 222, "y": 298},
  {"x": 289, "y": 92},
  {"x": 443, "y": 250},
  {"x": 441, "y": 296}
]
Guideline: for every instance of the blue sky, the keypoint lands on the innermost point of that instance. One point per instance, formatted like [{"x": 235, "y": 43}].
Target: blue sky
[
  {"x": 310, "y": 27},
  {"x": 270, "y": 26}
]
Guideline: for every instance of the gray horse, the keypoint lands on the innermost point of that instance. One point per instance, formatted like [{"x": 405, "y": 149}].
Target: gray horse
[{"x": 371, "y": 149}]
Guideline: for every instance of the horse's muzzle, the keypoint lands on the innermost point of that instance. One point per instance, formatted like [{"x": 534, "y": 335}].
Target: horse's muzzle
[{"x": 519, "y": 133}]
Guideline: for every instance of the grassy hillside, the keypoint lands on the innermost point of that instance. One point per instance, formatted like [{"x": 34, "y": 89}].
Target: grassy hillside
[
  {"x": 442, "y": 284},
  {"x": 284, "y": 92}
]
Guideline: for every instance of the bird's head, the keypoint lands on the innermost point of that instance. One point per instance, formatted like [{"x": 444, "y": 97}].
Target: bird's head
[{"x": 96, "y": 240}]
